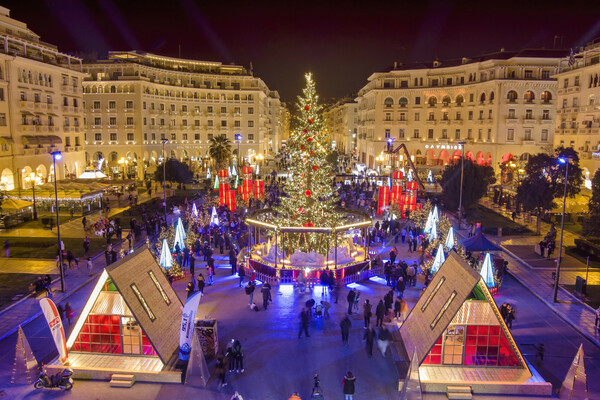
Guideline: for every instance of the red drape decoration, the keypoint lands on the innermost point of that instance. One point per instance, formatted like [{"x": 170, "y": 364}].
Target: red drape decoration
[
  {"x": 247, "y": 184},
  {"x": 384, "y": 198},
  {"x": 231, "y": 200},
  {"x": 223, "y": 186},
  {"x": 411, "y": 195},
  {"x": 396, "y": 187},
  {"x": 259, "y": 188}
]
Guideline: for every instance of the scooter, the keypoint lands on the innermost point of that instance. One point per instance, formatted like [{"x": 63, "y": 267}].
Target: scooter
[{"x": 61, "y": 380}]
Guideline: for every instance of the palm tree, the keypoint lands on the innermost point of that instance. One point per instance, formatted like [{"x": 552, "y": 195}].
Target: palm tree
[{"x": 220, "y": 150}]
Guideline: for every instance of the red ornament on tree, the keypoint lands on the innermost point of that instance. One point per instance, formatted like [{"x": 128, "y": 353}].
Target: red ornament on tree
[
  {"x": 312, "y": 153},
  {"x": 309, "y": 139},
  {"x": 309, "y": 225},
  {"x": 307, "y": 107},
  {"x": 310, "y": 121},
  {"x": 315, "y": 168},
  {"x": 308, "y": 193},
  {"x": 302, "y": 147},
  {"x": 301, "y": 210},
  {"x": 305, "y": 131}
]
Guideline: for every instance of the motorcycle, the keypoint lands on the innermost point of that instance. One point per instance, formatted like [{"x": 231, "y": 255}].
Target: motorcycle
[{"x": 61, "y": 380}]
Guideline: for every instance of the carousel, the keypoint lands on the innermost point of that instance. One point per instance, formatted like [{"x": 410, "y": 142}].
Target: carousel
[{"x": 274, "y": 250}]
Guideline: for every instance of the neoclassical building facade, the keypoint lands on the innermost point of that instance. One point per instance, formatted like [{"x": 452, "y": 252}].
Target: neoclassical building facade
[
  {"x": 342, "y": 119},
  {"x": 135, "y": 100},
  {"x": 501, "y": 106},
  {"x": 578, "y": 106},
  {"x": 41, "y": 108}
]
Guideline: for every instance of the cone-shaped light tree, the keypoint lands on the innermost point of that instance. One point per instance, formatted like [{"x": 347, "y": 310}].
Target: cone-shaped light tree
[{"x": 311, "y": 197}]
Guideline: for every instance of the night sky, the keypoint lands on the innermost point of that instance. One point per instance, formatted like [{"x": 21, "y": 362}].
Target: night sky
[{"x": 341, "y": 42}]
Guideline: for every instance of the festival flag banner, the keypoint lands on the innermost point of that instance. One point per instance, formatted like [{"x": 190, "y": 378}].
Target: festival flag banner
[
  {"x": 188, "y": 319},
  {"x": 56, "y": 328}
]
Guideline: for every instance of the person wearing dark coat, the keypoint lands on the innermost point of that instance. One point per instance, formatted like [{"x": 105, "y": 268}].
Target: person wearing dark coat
[
  {"x": 397, "y": 308},
  {"x": 349, "y": 388},
  {"x": 241, "y": 274},
  {"x": 303, "y": 323},
  {"x": 380, "y": 313},
  {"x": 192, "y": 264},
  {"x": 351, "y": 296},
  {"x": 388, "y": 300},
  {"x": 369, "y": 336},
  {"x": 367, "y": 313},
  {"x": 266, "y": 294},
  {"x": 190, "y": 289},
  {"x": 345, "y": 327},
  {"x": 233, "y": 261}
]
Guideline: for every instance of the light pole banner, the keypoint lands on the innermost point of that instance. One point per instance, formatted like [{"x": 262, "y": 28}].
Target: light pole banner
[
  {"x": 188, "y": 319},
  {"x": 56, "y": 328}
]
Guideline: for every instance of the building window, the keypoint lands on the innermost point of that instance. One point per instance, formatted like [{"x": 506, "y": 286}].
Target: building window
[
  {"x": 416, "y": 134},
  {"x": 566, "y": 83},
  {"x": 480, "y": 134},
  {"x": 98, "y": 136},
  {"x": 197, "y": 122},
  {"x": 545, "y": 74},
  {"x": 417, "y": 100},
  {"x": 23, "y": 96},
  {"x": 251, "y": 137},
  {"x": 527, "y": 134},
  {"x": 210, "y": 123},
  {"x": 210, "y": 136},
  {"x": 544, "y": 135},
  {"x": 144, "y": 105},
  {"x": 417, "y": 117},
  {"x": 489, "y": 136},
  {"x": 510, "y": 135},
  {"x": 546, "y": 114},
  {"x": 402, "y": 116},
  {"x": 112, "y": 121},
  {"x": 469, "y": 133},
  {"x": 444, "y": 133},
  {"x": 153, "y": 136},
  {"x": 173, "y": 136},
  {"x": 458, "y": 116},
  {"x": 2, "y": 119},
  {"x": 457, "y": 134},
  {"x": 511, "y": 113},
  {"x": 250, "y": 110},
  {"x": 223, "y": 110},
  {"x": 184, "y": 136},
  {"x": 209, "y": 109},
  {"x": 163, "y": 136},
  {"x": 250, "y": 124},
  {"x": 196, "y": 136},
  {"x": 401, "y": 134},
  {"x": 388, "y": 116},
  {"x": 443, "y": 310},
  {"x": 112, "y": 105},
  {"x": 142, "y": 301},
  {"x": 431, "y": 117},
  {"x": 159, "y": 287},
  {"x": 113, "y": 136},
  {"x": 130, "y": 136},
  {"x": 430, "y": 134},
  {"x": 576, "y": 81},
  {"x": 223, "y": 124},
  {"x": 129, "y": 120},
  {"x": 489, "y": 114},
  {"x": 470, "y": 115},
  {"x": 387, "y": 133},
  {"x": 528, "y": 74}
]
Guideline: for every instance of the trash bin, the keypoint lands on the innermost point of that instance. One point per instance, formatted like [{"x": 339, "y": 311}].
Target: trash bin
[{"x": 580, "y": 285}]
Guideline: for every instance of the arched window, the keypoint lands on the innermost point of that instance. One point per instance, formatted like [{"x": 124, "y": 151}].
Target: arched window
[
  {"x": 546, "y": 97},
  {"x": 432, "y": 101},
  {"x": 446, "y": 100},
  {"x": 403, "y": 102},
  {"x": 529, "y": 96},
  {"x": 482, "y": 98},
  {"x": 512, "y": 96},
  {"x": 388, "y": 102},
  {"x": 492, "y": 96},
  {"x": 459, "y": 100},
  {"x": 113, "y": 89}
]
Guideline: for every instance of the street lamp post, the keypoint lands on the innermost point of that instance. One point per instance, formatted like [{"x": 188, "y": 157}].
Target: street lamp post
[
  {"x": 123, "y": 161},
  {"x": 238, "y": 139},
  {"x": 562, "y": 227},
  {"x": 31, "y": 178},
  {"x": 164, "y": 178},
  {"x": 462, "y": 167},
  {"x": 57, "y": 155}
]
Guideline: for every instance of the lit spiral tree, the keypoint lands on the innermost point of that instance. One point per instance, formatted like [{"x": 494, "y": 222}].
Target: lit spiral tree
[{"x": 311, "y": 196}]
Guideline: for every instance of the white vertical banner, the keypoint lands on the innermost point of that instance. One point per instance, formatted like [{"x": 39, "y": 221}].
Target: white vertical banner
[
  {"x": 188, "y": 319},
  {"x": 56, "y": 328}
]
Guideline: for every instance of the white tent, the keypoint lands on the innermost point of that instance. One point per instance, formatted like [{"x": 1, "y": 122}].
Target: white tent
[
  {"x": 166, "y": 259},
  {"x": 194, "y": 210},
  {"x": 428, "y": 224},
  {"x": 433, "y": 234},
  {"x": 91, "y": 175},
  {"x": 439, "y": 259}
]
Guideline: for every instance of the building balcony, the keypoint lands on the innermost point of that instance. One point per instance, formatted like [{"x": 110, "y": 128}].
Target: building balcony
[
  {"x": 573, "y": 89},
  {"x": 528, "y": 120},
  {"x": 186, "y": 127},
  {"x": 445, "y": 121},
  {"x": 546, "y": 120},
  {"x": 185, "y": 113},
  {"x": 173, "y": 112},
  {"x": 68, "y": 109},
  {"x": 41, "y": 128},
  {"x": 153, "y": 111},
  {"x": 25, "y": 104},
  {"x": 430, "y": 122},
  {"x": 128, "y": 110},
  {"x": 131, "y": 126},
  {"x": 512, "y": 101},
  {"x": 112, "y": 110},
  {"x": 67, "y": 88},
  {"x": 111, "y": 126},
  {"x": 40, "y": 106},
  {"x": 402, "y": 122},
  {"x": 528, "y": 141},
  {"x": 511, "y": 119}
]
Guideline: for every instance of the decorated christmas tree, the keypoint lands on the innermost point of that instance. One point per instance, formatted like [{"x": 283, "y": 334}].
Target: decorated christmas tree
[{"x": 311, "y": 197}]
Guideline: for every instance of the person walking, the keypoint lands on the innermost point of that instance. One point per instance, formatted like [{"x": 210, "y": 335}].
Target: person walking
[
  {"x": 250, "y": 292},
  {"x": 192, "y": 264},
  {"x": 351, "y": 296},
  {"x": 326, "y": 306},
  {"x": 383, "y": 340},
  {"x": 379, "y": 313},
  {"x": 403, "y": 309},
  {"x": 304, "y": 319},
  {"x": 90, "y": 266},
  {"x": 220, "y": 369},
  {"x": 504, "y": 311},
  {"x": 345, "y": 326},
  {"x": 210, "y": 270},
  {"x": 239, "y": 356},
  {"x": 69, "y": 312},
  {"x": 190, "y": 288},
  {"x": 596, "y": 324},
  {"x": 369, "y": 336},
  {"x": 397, "y": 307},
  {"x": 7, "y": 248},
  {"x": 241, "y": 274},
  {"x": 266, "y": 294},
  {"x": 233, "y": 261},
  {"x": 201, "y": 283},
  {"x": 230, "y": 355},
  {"x": 510, "y": 316},
  {"x": 367, "y": 313},
  {"x": 349, "y": 386}
]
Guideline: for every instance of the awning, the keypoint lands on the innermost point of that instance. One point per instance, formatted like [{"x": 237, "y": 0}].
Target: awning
[
  {"x": 55, "y": 139},
  {"x": 30, "y": 140},
  {"x": 26, "y": 112},
  {"x": 6, "y": 140}
]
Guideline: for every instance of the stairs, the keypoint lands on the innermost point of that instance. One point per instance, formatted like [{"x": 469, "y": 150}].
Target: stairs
[
  {"x": 459, "y": 393},
  {"x": 122, "y": 380}
]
